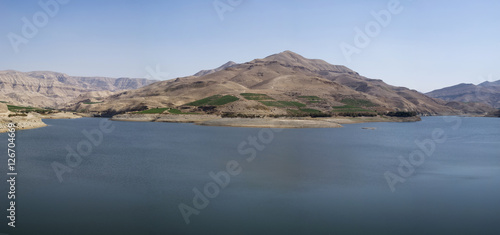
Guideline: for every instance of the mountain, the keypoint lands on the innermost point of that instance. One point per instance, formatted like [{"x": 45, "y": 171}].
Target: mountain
[
  {"x": 52, "y": 89},
  {"x": 222, "y": 67},
  {"x": 486, "y": 92},
  {"x": 279, "y": 84}
]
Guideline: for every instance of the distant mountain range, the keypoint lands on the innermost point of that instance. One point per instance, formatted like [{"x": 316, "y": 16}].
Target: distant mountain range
[
  {"x": 279, "y": 84},
  {"x": 52, "y": 89},
  {"x": 486, "y": 92}
]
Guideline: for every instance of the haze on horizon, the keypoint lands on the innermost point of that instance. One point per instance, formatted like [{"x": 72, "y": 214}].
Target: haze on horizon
[{"x": 423, "y": 46}]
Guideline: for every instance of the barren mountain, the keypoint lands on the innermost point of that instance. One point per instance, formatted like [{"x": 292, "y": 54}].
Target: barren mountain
[
  {"x": 486, "y": 92},
  {"x": 279, "y": 84},
  {"x": 51, "y": 89},
  {"x": 222, "y": 67}
]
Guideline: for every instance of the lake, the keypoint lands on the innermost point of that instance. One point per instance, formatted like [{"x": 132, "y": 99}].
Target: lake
[{"x": 437, "y": 176}]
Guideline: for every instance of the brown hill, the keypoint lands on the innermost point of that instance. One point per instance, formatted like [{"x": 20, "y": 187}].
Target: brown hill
[
  {"x": 51, "y": 89},
  {"x": 280, "y": 84},
  {"x": 486, "y": 93}
]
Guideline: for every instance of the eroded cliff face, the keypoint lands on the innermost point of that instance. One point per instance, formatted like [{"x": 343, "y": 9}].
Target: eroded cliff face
[{"x": 51, "y": 89}]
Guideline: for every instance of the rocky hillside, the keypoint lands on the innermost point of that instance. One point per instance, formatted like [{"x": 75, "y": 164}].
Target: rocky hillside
[
  {"x": 486, "y": 92},
  {"x": 51, "y": 89},
  {"x": 280, "y": 84}
]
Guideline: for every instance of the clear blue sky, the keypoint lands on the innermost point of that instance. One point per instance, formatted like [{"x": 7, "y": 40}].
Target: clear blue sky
[{"x": 430, "y": 44}]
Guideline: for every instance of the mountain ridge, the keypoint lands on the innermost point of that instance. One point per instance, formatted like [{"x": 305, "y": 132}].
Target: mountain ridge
[
  {"x": 284, "y": 77},
  {"x": 486, "y": 93},
  {"x": 52, "y": 89}
]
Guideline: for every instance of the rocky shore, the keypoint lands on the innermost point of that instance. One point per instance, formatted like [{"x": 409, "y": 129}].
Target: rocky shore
[
  {"x": 21, "y": 122},
  {"x": 61, "y": 115},
  {"x": 28, "y": 121},
  {"x": 34, "y": 120}
]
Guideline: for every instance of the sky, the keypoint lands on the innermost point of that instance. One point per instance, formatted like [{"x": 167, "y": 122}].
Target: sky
[{"x": 422, "y": 45}]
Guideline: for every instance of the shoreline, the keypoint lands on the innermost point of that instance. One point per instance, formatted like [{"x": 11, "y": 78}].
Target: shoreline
[
  {"x": 21, "y": 122},
  {"x": 215, "y": 120},
  {"x": 31, "y": 120}
]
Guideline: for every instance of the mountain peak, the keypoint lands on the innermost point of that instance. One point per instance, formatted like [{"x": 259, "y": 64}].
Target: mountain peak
[
  {"x": 286, "y": 56},
  {"x": 290, "y": 58},
  {"x": 228, "y": 64},
  {"x": 290, "y": 53},
  {"x": 222, "y": 67}
]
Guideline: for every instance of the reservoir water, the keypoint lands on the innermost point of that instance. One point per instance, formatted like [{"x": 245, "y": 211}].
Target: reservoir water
[{"x": 257, "y": 181}]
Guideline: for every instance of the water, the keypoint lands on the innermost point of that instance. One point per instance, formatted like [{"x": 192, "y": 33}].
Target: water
[{"x": 304, "y": 181}]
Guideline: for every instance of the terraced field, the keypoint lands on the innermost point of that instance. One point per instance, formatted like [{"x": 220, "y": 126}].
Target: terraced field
[
  {"x": 22, "y": 109},
  {"x": 256, "y": 96},
  {"x": 358, "y": 102},
  {"x": 215, "y": 100},
  {"x": 311, "y": 99},
  {"x": 283, "y": 104},
  {"x": 349, "y": 109}
]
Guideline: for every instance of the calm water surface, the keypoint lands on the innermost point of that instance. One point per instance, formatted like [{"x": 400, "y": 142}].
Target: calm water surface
[{"x": 303, "y": 181}]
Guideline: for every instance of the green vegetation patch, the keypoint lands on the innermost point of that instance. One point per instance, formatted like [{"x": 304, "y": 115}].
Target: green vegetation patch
[
  {"x": 358, "y": 102},
  {"x": 256, "y": 96},
  {"x": 4, "y": 102},
  {"x": 283, "y": 104},
  {"x": 294, "y": 112},
  {"x": 214, "y": 100},
  {"x": 349, "y": 109},
  {"x": 311, "y": 99},
  {"x": 303, "y": 111},
  {"x": 22, "y": 109},
  {"x": 310, "y": 111},
  {"x": 354, "y": 106},
  {"x": 174, "y": 111}
]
